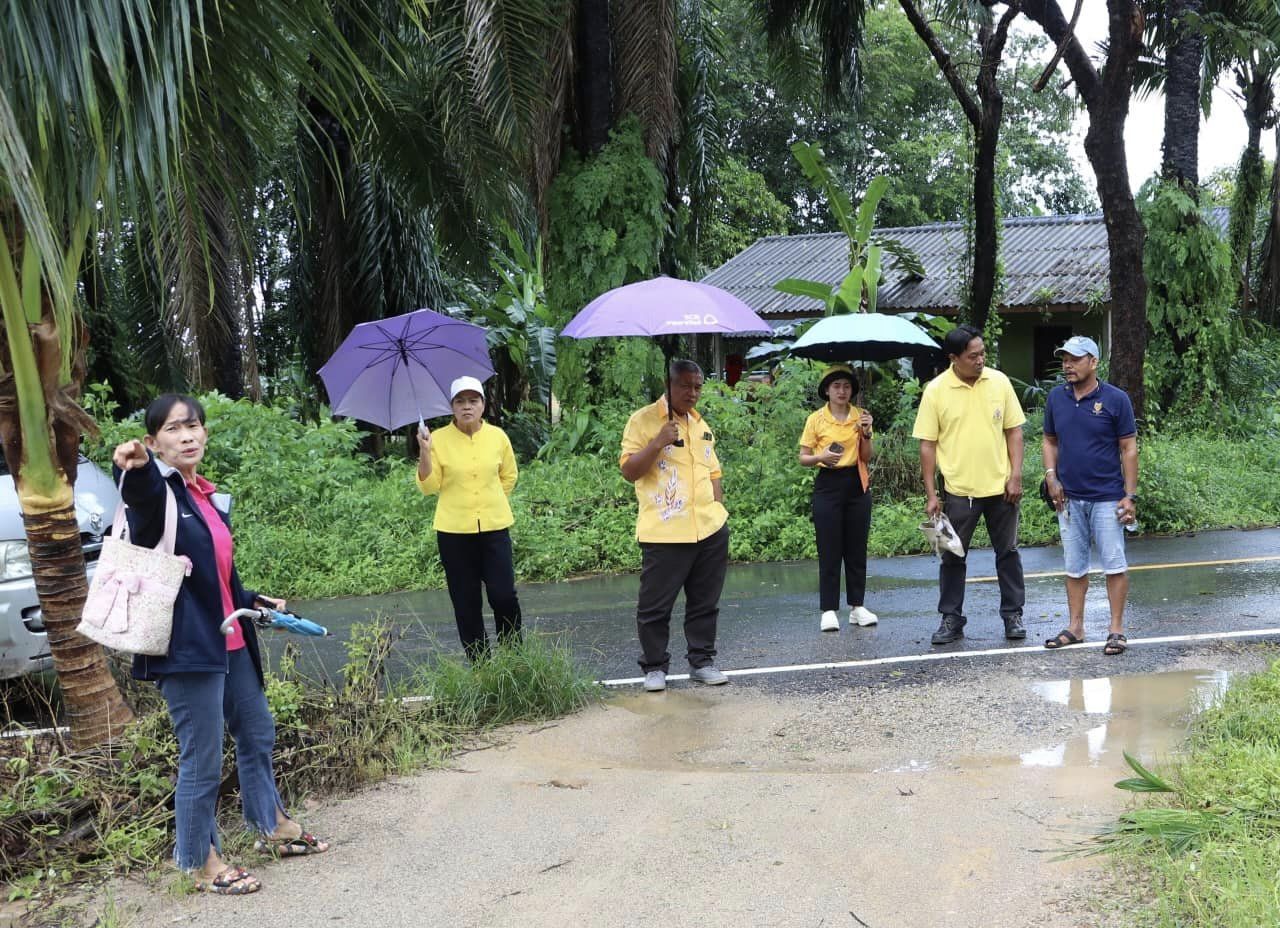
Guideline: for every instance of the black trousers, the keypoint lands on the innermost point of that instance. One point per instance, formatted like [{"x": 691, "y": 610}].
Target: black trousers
[
  {"x": 842, "y": 521},
  {"x": 472, "y": 559},
  {"x": 1001, "y": 517},
  {"x": 697, "y": 568}
]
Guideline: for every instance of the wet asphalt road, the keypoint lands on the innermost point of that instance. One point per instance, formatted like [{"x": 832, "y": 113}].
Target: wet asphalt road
[{"x": 769, "y": 614}]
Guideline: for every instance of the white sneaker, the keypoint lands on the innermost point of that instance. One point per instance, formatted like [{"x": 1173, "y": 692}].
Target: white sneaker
[
  {"x": 655, "y": 681},
  {"x": 830, "y": 622},
  {"x": 861, "y": 615}
]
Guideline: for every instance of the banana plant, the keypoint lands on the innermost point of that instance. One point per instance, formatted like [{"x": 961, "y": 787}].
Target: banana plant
[{"x": 860, "y": 288}]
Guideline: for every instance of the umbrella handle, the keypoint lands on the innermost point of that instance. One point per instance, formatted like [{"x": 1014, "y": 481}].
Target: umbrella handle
[
  {"x": 679, "y": 442},
  {"x": 228, "y": 624}
]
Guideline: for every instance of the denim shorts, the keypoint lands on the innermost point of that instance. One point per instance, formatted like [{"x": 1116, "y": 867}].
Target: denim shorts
[{"x": 1084, "y": 521}]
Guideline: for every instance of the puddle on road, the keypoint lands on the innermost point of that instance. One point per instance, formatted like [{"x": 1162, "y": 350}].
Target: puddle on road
[{"x": 1146, "y": 715}]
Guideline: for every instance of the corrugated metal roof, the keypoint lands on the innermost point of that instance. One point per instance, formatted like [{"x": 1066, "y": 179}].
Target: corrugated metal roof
[{"x": 1048, "y": 260}]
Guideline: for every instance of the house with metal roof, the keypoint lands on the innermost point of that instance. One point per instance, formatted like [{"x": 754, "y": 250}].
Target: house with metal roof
[{"x": 1055, "y": 280}]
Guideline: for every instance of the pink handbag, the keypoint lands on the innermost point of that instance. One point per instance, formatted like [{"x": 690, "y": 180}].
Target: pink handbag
[{"x": 130, "y": 602}]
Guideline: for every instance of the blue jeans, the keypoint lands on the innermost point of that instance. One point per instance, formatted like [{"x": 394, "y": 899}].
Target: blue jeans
[
  {"x": 1084, "y": 521},
  {"x": 199, "y": 706}
]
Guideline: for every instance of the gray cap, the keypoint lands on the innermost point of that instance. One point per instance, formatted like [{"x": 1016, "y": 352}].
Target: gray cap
[{"x": 1078, "y": 346}]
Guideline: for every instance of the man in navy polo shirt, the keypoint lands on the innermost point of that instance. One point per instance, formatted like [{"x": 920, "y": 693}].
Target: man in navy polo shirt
[{"x": 1091, "y": 469}]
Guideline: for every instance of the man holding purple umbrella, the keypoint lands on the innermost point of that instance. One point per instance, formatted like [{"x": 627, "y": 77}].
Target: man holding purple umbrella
[{"x": 669, "y": 453}]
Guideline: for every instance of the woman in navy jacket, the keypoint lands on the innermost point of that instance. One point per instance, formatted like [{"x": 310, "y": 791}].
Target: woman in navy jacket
[{"x": 208, "y": 680}]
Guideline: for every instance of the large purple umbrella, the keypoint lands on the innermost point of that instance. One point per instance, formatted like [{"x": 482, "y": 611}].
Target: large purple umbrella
[
  {"x": 665, "y": 306},
  {"x": 395, "y": 371}
]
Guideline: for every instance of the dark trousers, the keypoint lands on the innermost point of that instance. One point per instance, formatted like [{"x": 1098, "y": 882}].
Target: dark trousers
[
  {"x": 1001, "y": 517},
  {"x": 842, "y": 521},
  {"x": 697, "y": 568},
  {"x": 470, "y": 560}
]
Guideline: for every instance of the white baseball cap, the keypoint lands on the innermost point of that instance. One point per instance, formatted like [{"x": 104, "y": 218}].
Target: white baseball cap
[
  {"x": 1078, "y": 346},
  {"x": 462, "y": 385}
]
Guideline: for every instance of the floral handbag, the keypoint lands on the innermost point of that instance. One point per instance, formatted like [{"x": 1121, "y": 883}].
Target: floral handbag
[{"x": 130, "y": 602}]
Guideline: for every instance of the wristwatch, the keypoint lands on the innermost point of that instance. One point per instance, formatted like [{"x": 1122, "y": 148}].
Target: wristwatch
[{"x": 1132, "y": 496}]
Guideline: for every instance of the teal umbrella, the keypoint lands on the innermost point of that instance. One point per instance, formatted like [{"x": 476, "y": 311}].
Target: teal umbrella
[{"x": 864, "y": 337}]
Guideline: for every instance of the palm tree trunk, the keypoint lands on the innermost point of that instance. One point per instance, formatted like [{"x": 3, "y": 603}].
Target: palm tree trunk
[
  {"x": 1269, "y": 283},
  {"x": 1259, "y": 98},
  {"x": 1182, "y": 98},
  {"x": 40, "y": 428},
  {"x": 595, "y": 77},
  {"x": 96, "y": 712}
]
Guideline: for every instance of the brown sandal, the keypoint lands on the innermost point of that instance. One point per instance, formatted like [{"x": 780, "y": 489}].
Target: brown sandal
[
  {"x": 233, "y": 881},
  {"x": 1062, "y": 639},
  {"x": 303, "y": 845}
]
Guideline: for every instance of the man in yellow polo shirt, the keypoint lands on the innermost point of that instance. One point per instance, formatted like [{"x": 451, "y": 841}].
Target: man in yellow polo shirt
[
  {"x": 669, "y": 453},
  {"x": 970, "y": 428}
]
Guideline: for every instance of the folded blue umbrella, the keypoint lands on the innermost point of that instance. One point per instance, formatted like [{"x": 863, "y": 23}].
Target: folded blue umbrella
[{"x": 273, "y": 618}]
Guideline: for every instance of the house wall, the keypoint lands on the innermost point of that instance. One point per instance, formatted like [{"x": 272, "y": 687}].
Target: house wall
[{"x": 1029, "y": 338}]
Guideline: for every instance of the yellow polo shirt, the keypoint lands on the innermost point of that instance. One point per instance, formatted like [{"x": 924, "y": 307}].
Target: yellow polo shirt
[
  {"x": 822, "y": 428},
  {"x": 968, "y": 423},
  {"x": 676, "y": 501},
  {"x": 474, "y": 475}
]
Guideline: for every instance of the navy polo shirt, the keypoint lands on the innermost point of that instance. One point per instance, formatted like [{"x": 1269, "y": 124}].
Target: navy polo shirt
[{"x": 1089, "y": 431}]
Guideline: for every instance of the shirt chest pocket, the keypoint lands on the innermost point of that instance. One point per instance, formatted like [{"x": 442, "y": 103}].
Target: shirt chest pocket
[{"x": 704, "y": 451}]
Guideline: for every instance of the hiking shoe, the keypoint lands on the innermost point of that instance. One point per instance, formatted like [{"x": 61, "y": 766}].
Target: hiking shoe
[
  {"x": 951, "y": 629},
  {"x": 830, "y": 621},
  {"x": 861, "y": 615},
  {"x": 708, "y": 675},
  {"x": 1014, "y": 630},
  {"x": 655, "y": 681}
]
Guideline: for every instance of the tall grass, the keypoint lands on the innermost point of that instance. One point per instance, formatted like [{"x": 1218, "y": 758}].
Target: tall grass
[
  {"x": 69, "y": 817},
  {"x": 1208, "y": 842}
]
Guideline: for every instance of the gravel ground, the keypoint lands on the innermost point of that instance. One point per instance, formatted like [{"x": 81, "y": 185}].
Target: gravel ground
[{"x": 901, "y": 800}]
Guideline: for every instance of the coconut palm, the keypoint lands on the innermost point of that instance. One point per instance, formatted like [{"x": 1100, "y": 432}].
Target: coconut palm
[{"x": 105, "y": 108}]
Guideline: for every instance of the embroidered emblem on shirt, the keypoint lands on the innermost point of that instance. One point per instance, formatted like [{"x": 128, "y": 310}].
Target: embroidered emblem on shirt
[
  {"x": 997, "y": 415},
  {"x": 706, "y": 452},
  {"x": 669, "y": 500},
  {"x": 1097, "y": 407}
]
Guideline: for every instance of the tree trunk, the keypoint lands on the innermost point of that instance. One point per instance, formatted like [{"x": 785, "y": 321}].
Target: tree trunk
[
  {"x": 986, "y": 239},
  {"x": 1181, "y": 146},
  {"x": 1106, "y": 98},
  {"x": 595, "y": 77},
  {"x": 984, "y": 114},
  {"x": 96, "y": 712},
  {"x": 1259, "y": 100},
  {"x": 44, "y": 465},
  {"x": 1269, "y": 282}
]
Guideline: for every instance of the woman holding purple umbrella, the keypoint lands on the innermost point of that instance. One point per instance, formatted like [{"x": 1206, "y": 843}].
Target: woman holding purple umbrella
[{"x": 472, "y": 467}]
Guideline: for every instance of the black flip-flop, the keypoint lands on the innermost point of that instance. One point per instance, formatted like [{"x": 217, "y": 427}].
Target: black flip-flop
[
  {"x": 1062, "y": 639},
  {"x": 1116, "y": 644}
]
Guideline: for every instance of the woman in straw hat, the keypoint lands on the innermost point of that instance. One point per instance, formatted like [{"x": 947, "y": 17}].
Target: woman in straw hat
[{"x": 837, "y": 441}]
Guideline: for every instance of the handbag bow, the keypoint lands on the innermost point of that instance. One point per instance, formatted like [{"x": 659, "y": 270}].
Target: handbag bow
[{"x": 110, "y": 611}]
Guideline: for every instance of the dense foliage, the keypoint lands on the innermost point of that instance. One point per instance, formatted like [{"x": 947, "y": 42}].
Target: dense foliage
[{"x": 315, "y": 518}]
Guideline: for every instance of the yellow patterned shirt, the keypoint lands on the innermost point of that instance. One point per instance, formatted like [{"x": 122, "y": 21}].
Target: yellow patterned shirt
[{"x": 676, "y": 500}]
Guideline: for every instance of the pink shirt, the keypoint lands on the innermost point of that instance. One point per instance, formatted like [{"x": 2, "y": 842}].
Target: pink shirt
[{"x": 200, "y": 491}]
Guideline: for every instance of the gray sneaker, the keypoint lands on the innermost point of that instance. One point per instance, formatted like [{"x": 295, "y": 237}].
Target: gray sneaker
[
  {"x": 708, "y": 675},
  {"x": 655, "y": 681}
]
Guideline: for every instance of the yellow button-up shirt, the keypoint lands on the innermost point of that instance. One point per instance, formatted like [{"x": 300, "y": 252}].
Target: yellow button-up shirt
[
  {"x": 474, "y": 475},
  {"x": 968, "y": 423},
  {"x": 822, "y": 428},
  {"x": 677, "y": 503}
]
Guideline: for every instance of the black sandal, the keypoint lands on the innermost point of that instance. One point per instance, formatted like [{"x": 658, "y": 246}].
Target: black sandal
[
  {"x": 1116, "y": 644},
  {"x": 1062, "y": 639}
]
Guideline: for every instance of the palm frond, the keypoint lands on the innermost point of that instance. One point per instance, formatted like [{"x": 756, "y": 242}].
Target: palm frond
[{"x": 645, "y": 44}]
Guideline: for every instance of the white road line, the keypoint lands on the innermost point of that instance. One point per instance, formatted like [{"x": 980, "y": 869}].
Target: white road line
[{"x": 956, "y": 655}]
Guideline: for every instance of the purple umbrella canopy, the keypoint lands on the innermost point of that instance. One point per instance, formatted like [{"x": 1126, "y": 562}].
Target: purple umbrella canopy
[
  {"x": 665, "y": 306},
  {"x": 392, "y": 372}
]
